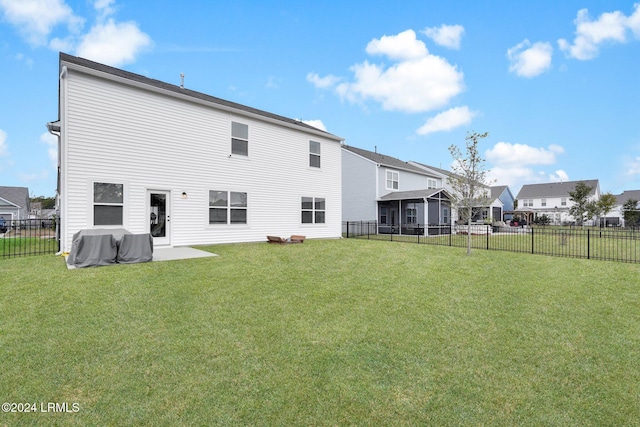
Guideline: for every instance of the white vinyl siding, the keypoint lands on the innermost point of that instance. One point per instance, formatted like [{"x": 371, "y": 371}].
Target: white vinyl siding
[{"x": 154, "y": 141}]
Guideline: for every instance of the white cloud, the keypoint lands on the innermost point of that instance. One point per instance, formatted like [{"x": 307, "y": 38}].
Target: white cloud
[
  {"x": 513, "y": 164},
  {"x": 108, "y": 41},
  {"x": 610, "y": 27},
  {"x": 447, "y": 120},
  {"x": 4, "y": 148},
  {"x": 415, "y": 82},
  {"x": 322, "y": 82},
  {"x": 559, "y": 176},
  {"x": 113, "y": 43},
  {"x": 529, "y": 60},
  {"x": 316, "y": 124},
  {"x": 52, "y": 147},
  {"x": 446, "y": 35},
  {"x": 632, "y": 166},
  {"x": 35, "y": 19},
  {"x": 505, "y": 153},
  {"x": 402, "y": 46}
]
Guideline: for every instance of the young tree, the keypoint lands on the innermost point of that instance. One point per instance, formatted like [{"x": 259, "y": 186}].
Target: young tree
[
  {"x": 630, "y": 213},
  {"x": 468, "y": 182},
  {"x": 606, "y": 203},
  {"x": 580, "y": 197}
]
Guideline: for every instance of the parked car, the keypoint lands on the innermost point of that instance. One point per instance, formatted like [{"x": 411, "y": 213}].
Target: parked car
[{"x": 3, "y": 226}]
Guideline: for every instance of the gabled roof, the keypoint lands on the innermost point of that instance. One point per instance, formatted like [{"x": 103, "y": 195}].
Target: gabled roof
[
  {"x": 414, "y": 194},
  {"x": 18, "y": 196},
  {"x": 387, "y": 161},
  {"x": 498, "y": 190},
  {"x": 553, "y": 189},
  {"x": 435, "y": 169},
  {"x": 76, "y": 62},
  {"x": 621, "y": 199}
]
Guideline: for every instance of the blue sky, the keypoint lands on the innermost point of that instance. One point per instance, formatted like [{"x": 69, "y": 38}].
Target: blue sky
[{"x": 555, "y": 83}]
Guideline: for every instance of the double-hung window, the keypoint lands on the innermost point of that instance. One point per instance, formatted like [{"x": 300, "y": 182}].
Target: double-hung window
[
  {"x": 313, "y": 210},
  {"x": 108, "y": 203},
  {"x": 392, "y": 180},
  {"x": 563, "y": 201},
  {"x": 432, "y": 183},
  {"x": 314, "y": 154},
  {"x": 239, "y": 139},
  {"x": 543, "y": 202},
  {"x": 227, "y": 207},
  {"x": 412, "y": 213}
]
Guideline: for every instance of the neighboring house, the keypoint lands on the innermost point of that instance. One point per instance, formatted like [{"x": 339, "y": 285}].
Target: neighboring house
[
  {"x": 499, "y": 198},
  {"x": 189, "y": 168},
  {"x": 401, "y": 197},
  {"x": 616, "y": 216},
  {"x": 502, "y": 193},
  {"x": 14, "y": 203},
  {"x": 551, "y": 199}
]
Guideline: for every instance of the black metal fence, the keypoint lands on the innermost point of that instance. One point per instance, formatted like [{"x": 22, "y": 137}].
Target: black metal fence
[
  {"x": 612, "y": 244},
  {"x": 26, "y": 237}
]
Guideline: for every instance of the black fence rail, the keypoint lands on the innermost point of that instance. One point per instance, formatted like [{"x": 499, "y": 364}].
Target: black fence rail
[
  {"x": 26, "y": 237},
  {"x": 611, "y": 244}
]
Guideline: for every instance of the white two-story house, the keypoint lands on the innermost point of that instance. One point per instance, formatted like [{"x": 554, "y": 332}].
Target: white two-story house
[
  {"x": 551, "y": 199},
  {"x": 402, "y": 198},
  {"x": 189, "y": 168}
]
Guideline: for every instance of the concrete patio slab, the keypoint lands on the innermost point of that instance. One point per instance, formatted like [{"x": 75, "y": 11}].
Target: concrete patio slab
[{"x": 184, "y": 252}]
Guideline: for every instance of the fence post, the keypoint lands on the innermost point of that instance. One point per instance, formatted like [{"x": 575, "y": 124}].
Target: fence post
[
  {"x": 588, "y": 244},
  {"x": 488, "y": 229},
  {"x": 532, "y": 241}
]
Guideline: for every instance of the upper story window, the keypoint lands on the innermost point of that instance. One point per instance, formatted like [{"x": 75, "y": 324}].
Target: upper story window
[
  {"x": 543, "y": 202},
  {"x": 227, "y": 207},
  {"x": 563, "y": 201},
  {"x": 432, "y": 183},
  {"x": 108, "y": 203},
  {"x": 392, "y": 180},
  {"x": 527, "y": 202},
  {"x": 239, "y": 139},
  {"x": 314, "y": 154}
]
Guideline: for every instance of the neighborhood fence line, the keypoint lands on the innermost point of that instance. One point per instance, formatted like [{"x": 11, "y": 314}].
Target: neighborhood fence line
[
  {"x": 610, "y": 244},
  {"x": 25, "y": 237}
]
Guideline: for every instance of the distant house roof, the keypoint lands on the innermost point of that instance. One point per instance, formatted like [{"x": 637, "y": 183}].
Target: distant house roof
[
  {"x": 18, "y": 196},
  {"x": 435, "y": 169},
  {"x": 553, "y": 189},
  {"x": 221, "y": 103},
  {"x": 388, "y": 161},
  {"x": 621, "y": 199},
  {"x": 413, "y": 194}
]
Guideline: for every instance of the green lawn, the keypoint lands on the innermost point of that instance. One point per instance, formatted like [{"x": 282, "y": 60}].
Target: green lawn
[{"x": 341, "y": 332}]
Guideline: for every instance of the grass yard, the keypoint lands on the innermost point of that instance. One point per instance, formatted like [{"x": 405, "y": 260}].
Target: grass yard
[{"x": 327, "y": 333}]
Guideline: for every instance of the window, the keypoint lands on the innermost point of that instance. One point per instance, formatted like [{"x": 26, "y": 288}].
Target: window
[
  {"x": 543, "y": 202},
  {"x": 227, "y": 207},
  {"x": 527, "y": 202},
  {"x": 108, "y": 203},
  {"x": 313, "y": 210},
  {"x": 563, "y": 201},
  {"x": 445, "y": 215},
  {"x": 383, "y": 214},
  {"x": 432, "y": 183},
  {"x": 392, "y": 180},
  {"x": 314, "y": 154},
  {"x": 239, "y": 139},
  {"x": 412, "y": 213}
]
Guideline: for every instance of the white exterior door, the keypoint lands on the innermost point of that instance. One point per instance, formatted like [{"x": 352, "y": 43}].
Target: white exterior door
[{"x": 159, "y": 216}]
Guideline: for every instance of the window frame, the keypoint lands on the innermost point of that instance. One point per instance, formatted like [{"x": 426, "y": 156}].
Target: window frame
[
  {"x": 237, "y": 139},
  {"x": 108, "y": 204},
  {"x": 314, "y": 213},
  {"x": 394, "y": 174},
  {"x": 314, "y": 155},
  {"x": 229, "y": 208}
]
